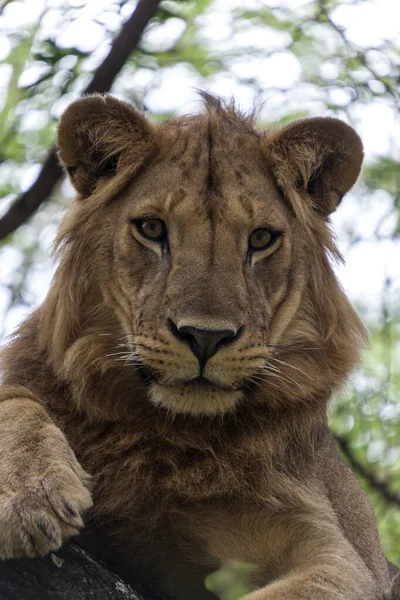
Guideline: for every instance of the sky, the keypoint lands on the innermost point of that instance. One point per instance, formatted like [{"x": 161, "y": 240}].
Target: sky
[{"x": 368, "y": 264}]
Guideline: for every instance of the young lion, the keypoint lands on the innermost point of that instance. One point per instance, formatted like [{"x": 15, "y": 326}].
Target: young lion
[{"x": 185, "y": 356}]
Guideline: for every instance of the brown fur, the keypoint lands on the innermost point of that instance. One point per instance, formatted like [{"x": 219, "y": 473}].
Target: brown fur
[{"x": 187, "y": 476}]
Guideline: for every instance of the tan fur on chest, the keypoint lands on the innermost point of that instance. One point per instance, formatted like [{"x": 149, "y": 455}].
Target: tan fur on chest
[{"x": 188, "y": 462}]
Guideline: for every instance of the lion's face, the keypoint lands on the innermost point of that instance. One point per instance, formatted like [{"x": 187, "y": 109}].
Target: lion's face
[
  {"x": 203, "y": 271},
  {"x": 209, "y": 264}
]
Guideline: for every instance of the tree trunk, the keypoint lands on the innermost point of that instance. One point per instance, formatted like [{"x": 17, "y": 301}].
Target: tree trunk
[{"x": 69, "y": 574}]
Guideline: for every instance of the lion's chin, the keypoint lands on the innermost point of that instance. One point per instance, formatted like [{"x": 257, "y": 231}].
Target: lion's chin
[{"x": 194, "y": 400}]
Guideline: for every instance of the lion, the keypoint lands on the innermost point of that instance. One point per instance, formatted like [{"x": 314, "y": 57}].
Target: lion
[{"x": 173, "y": 387}]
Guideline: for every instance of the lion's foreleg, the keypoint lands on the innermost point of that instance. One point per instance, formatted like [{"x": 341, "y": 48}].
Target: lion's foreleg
[{"x": 43, "y": 489}]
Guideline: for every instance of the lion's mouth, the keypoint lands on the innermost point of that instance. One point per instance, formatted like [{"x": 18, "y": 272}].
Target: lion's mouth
[
  {"x": 150, "y": 376},
  {"x": 199, "y": 395},
  {"x": 204, "y": 383}
]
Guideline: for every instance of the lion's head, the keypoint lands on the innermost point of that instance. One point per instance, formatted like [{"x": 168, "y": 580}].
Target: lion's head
[{"x": 198, "y": 254}]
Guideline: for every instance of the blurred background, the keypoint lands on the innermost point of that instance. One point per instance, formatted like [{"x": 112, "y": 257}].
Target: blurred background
[{"x": 294, "y": 58}]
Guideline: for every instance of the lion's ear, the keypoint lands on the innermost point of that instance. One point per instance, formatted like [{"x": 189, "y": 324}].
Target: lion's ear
[
  {"x": 99, "y": 135},
  {"x": 318, "y": 159}
]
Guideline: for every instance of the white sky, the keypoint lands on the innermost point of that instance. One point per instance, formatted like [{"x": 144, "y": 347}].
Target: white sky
[{"x": 367, "y": 23}]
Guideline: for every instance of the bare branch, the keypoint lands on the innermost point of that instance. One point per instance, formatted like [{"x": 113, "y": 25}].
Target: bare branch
[
  {"x": 123, "y": 45},
  {"x": 68, "y": 573},
  {"x": 372, "y": 479}
]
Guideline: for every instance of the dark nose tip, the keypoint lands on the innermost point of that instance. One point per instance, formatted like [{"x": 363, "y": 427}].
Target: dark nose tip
[{"x": 204, "y": 343}]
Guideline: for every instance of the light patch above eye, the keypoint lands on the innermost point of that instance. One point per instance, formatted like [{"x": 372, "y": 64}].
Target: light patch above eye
[{"x": 262, "y": 238}]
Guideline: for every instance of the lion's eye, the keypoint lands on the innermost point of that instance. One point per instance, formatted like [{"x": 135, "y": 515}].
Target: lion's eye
[
  {"x": 261, "y": 239},
  {"x": 152, "y": 229}
]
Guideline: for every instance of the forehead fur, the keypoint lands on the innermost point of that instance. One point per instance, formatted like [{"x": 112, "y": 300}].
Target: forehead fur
[
  {"x": 214, "y": 154},
  {"x": 226, "y": 115},
  {"x": 218, "y": 121}
]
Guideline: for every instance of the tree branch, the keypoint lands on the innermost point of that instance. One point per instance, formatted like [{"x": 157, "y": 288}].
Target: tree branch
[
  {"x": 69, "y": 573},
  {"x": 372, "y": 479},
  {"x": 123, "y": 45}
]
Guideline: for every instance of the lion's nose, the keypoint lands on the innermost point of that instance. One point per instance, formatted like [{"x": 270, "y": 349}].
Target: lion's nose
[{"x": 204, "y": 343}]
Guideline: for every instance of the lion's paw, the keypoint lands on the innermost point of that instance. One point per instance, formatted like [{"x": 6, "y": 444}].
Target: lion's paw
[{"x": 43, "y": 513}]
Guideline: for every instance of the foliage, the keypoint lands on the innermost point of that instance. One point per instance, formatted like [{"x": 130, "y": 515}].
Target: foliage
[
  {"x": 231, "y": 582},
  {"x": 294, "y": 58}
]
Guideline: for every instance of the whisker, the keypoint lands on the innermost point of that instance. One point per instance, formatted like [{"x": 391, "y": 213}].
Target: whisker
[
  {"x": 278, "y": 375},
  {"x": 294, "y": 347},
  {"x": 282, "y": 362},
  {"x": 129, "y": 353},
  {"x": 129, "y": 359},
  {"x": 262, "y": 380},
  {"x": 253, "y": 381}
]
